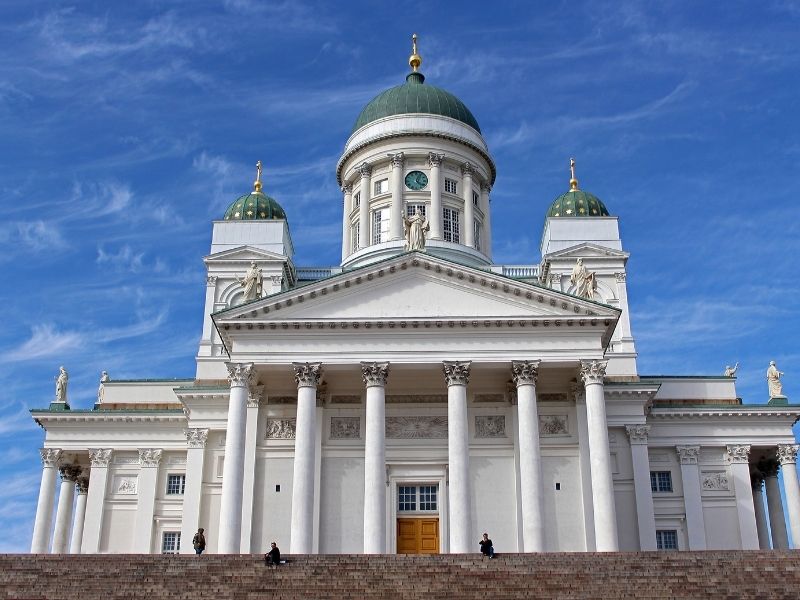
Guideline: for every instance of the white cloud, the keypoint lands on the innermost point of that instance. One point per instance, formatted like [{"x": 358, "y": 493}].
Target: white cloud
[
  {"x": 46, "y": 341},
  {"x": 40, "y": 235},
  {"x": 100, "y": 198},
  {"x": 125, "y": 259}
]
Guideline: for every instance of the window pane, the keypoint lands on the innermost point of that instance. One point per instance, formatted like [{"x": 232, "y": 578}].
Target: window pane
[
  {"x": 413, "y": 209},
  {"x": 171, "y": 542},
  {"x": 427, "y": 497},
  {"x": 354, "y": 232},
  {"x": 450, "y": 222},
  {"x": 407, "y": 498},
  {"x": 382, "y": 186},
  {"x": 475, "y": 198},
  {"x": 357, "y": 200},
  {"x": 176, "y": 484},
  {"x": 666, "y": 539},
  {"x": 450, "y": 186},
  {"x": 660, "y": 481},
  {"x": 477, "y": 235}
]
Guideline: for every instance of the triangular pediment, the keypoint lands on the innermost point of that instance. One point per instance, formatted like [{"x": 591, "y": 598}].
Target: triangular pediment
[
  {"x": 416, "y": 286},
  {"x": 588, "y": 250},
  {"x": 243, "y": 253}
]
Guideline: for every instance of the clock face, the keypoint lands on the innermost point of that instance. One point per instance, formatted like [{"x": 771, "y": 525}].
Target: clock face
[{"x": 416, "y": 180}]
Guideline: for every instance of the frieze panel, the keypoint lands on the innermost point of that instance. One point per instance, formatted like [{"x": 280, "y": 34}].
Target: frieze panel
[
  {"x": 125, "y": 486},
  {"x": 553, "y": 425},
  {"x": 416, "y": 427},
  {"x": 415, "y": 398},
  {"x": 490, "y": 426},
  {"x": 282, "y": 400},
  {"x": 281, "y": 429},
  {"x": 551, "y": 397},
  {"x": 345, "y": 428},
  {"x": 715, "y": 481},
  {"x": 345, "y": 399},
  {"x": 126, "y": 460},
  {"x": 490, "y": 398}
]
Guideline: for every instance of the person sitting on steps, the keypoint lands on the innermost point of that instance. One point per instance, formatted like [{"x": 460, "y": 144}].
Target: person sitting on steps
[
  {"x": 273, "y": 557},
  {"x": 487, "y": 549}
]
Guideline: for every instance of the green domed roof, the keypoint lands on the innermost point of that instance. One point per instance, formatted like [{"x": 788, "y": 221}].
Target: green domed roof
[
  {"x": 577, "y": 203},
  {"x": 415, "y": 97},
  {"x": 254, "y": 206}
]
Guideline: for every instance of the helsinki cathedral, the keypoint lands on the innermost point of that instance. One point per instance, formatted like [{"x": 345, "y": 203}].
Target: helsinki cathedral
[{"x": 417, "y": 394}]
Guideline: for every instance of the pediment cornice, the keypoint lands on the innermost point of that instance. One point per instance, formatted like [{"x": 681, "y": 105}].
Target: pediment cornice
[
  {"x": 242, "y": 253},
  {"x": 588, "y": 250}
]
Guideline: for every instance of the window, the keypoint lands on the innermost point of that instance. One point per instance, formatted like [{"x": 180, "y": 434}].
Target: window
[
  {"x": 357, "y": 200},
  {"x": 660, "y": 481},
  {"x": 475, "y": 198},
  {"x": 413, "y": 209},
  {"x": 424, "y": 496},
  {"x": 382, "y": 187},
  {"x": 450, "y": 186},
  {"x": 176, "y": 484},
  {"x": 170, "y": 542},
  {"x": 354, "y": 236},
  {"x": 451, "y": 225},
  {"x": 666, "y": 539},
  {"x": 380, "y": 225},
  {"x": 476, "y": 230}
]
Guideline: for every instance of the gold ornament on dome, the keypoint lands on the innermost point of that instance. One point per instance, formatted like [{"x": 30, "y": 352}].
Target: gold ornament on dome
[
  {"x": 415, "y": 60},
  {"x": 573, "y": 182},
  {"x": 257, "y": 182}
]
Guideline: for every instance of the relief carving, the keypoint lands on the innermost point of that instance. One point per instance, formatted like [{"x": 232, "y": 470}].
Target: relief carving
[
  {"x": 716, "y": 481},
  {"x": 345, "y": 428},
  {"x": 553, "y": 425},
  {"x": 416, "y": 427},
  {"x": 493, "y": 426},
  {"x": 126, "y": 486},
  {"x": 281, "y": 429}
]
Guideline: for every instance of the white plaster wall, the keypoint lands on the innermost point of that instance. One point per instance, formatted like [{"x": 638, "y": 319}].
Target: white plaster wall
[
  {"x": 142, "y": 392},
  {"x": 563, "y": 508},
  {"x": 722, "y": 525},
  {"x": 272, "y": 236},
  {"x": 564, "y": 232},
  {"x": 272, "y": 511},
  {"x": 624, "y": 491},
  {"x": 118, "y": 526},
  {"x": 494, "y": 507},
  {"x": 341, "y": 527}
]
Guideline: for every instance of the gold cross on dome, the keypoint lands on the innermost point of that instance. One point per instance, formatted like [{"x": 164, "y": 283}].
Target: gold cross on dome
[
  {"x": 573, "y": 182},
  {"x": 257, "y": 183}
]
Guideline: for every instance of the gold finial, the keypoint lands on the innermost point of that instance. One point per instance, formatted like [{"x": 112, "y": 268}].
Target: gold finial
[
  {"x": 573, "y": 183},
  {"x": 257, "y": 183},
  {"x": 415, "y": 60}
]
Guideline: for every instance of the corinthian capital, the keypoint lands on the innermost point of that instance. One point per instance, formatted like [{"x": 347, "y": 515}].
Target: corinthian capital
[
  {"x": 100, "y": 457},
  {"x": 374, "y": 374},
  {"x": 196, "y": 438},
  {"x": 787, "y": 453},
  {"x": 397, "y": 160},
  {"x": 307, "y": 374},
  {"x": 69, "y": 472},
  {"x": 485, "y": 187},
  {"x": 347, "y": 188},
  {"x": 82, "y": 485},
  {"x": 435, "y": 160},
  {"x": 50, "y": 456},
  {"x": 524, "y": 372},
  {"x": 149, "y": 457},
  {"x": 637, "y": 434},
  {"x": 467, "y": 169},
  {"x": 456, "y": 373},
  {"x": 240, "y": 374},
  {"x": 688, "y": 455},
  {"x": 364, "y": 170},
  {"x": 738, "y": 454},
  {"x": 254, "y": 395},
  {"x": 593, "y": 371}
]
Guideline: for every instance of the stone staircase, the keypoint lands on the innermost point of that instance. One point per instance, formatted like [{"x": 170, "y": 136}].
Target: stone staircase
[{"x": 714, "y": 574}]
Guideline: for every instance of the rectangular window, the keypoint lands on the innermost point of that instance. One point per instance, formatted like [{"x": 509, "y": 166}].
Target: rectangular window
[
  {"x": 423, "y": 498},
  {"x": 475, "y": 198},
  {"x": 170, "y": 542},
  {"x": 477, "y": 235},
  {"x": 660, "y": 481},
  {"x": 413, "y": 209},
  {"x": 354, "y": 236},
  {"x": 357, "y": 200},
  {"x": 382, "y": 187},
  {"x": 407, "y": 498},
  {"x": 380, "y": 225},
  {"x": 427, "y": 497},
  {"x": 450, "y": 222},
  {"x": 450, "y": 186},
  {"x": 176, "y": 484},
  {"x": 666, "y": 539}
]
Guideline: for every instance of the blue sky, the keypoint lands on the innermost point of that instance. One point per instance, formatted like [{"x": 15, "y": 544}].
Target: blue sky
[{"x": 128, "y": 127}]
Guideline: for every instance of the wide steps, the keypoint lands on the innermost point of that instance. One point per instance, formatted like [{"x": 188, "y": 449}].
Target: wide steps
[{"x": 713, "y": 574}]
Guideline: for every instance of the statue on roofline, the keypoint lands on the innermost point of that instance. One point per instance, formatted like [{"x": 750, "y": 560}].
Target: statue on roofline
[
  {"x": 731, "y": 371},
  {"x": 774, "y": 381},
  {"x": 61, "y": 385}
]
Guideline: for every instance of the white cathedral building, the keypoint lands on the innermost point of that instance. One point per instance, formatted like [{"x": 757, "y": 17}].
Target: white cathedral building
[{"x": 418, "y": 394}]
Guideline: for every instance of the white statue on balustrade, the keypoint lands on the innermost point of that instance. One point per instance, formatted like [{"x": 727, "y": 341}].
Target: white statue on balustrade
[
  {"x": 583, "y": 280},
  {"x": 61, "y": 385},
  {"x": 731, "y": 371},
  {"x": 774, "y": 381}
]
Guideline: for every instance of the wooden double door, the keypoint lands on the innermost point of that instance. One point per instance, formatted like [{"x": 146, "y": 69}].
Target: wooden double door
[{"x": 418, "y": 535}]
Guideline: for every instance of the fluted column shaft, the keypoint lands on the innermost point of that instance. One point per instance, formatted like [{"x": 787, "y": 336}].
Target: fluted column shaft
[
  {"x": 605, "y": 514},
  {"x": 363, "y": 211},
  {"x": 469, "y": 208},
  {"x": 692, "y": 498},
  {"x": 240, "y": 376},
  {"x": 777, "y": 520},
  {"x": 757, "y": 481},
  {"x": 396, "y": 210},
  {"x": 196, "y": 439},
  {"x": 435, "y": 184},
  {"x": 40, "y": 541},
  {"x": 524, "y": 374},
  {"x": 374, "y": 376},
  {"x": 457, "y": 377},
  {"x": 787, "y": 456},
  {"x": 738, "y": 458},
  {"x": 307, "y": 376},
  {"x": 645, "y": 513},
  {"x": 66, "y": 496},
  {"x": 347, "y": 190},
  {"x": 82, "y": 488}
]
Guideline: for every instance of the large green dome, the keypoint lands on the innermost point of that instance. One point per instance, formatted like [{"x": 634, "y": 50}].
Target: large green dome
[
  {"x": 577, "y": 203},
  {"x": 415, "y": 97},
  {"x": 254, "y": 206}
]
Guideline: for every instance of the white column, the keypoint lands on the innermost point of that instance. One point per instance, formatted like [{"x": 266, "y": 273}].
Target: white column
[
  {"x": 347, "y": 190},
  {"x": 586, "y": 466},
  {"x": 469, "y": 208},
  {"x": 461, "y": 536},
  {"x": 486, "y": 207},
  {"x": 435, "y": 183},
  {"x": 645, "y": 514},
  {"x": 777, "y": 520},
  {"x": 787, "y": 455},
  {"x": 605, "y": 514},
  {"x": 374, "y": 376},
  {"x": 524, "y": 374},
  {"x": 240, "y": 376},
  {"x": 307, "y": 376},
  {"x": 363, "y": 212},
  {"x": 692, "y": 499},
  {"x": 248, "y": 486},
  {"x": 82, "y": 488},
  {"x": 396, "y": 210},
  {"x": 146, "y": 486},
  {"x": 66, "y": 496},
  {"x": 756, "y": 481},
  {"x": 193, "y": 490},
  {"x": 99, "y": 459},
  {"x": 40, "y": 541},
  {"x": 738, "y": 459}
]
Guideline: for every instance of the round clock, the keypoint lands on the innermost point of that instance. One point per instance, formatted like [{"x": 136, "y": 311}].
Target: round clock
[{"x": 416, "y": 180}]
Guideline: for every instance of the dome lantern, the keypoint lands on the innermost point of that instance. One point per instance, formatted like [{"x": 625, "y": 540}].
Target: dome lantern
[
  {"x": 255, "y": 206},
  {"x": 576, "y": 202}
]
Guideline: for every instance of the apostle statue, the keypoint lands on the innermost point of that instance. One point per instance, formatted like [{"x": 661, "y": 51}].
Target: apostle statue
[
  {"x": 102, "y": 388},
  {"x": 774, "y": 381},
  {"x": 415, "y": 228},
  {"x": 583, "y": 280},
  {"x": 61, "y": 385},
  {"x": 252, "y": 283},
  {"x": 730, "y": 371}
]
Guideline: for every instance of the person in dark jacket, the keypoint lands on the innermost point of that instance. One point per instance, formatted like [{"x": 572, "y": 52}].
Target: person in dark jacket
[
  {"x": 487, "y": 549},
  {"x": 273, "y": 557},
  {"x": 199, "y": 541}
]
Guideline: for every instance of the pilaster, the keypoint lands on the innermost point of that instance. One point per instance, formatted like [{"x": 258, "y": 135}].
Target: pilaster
[
  {"x": 692, "y": 499},
  {"x": 738, "y": 458},
  {"x": 645, "y": 513},
  {"x": 254, "y": 397},
  {"x": 99, "y": 460},
  {"x": 193, "y": 491},
  {"x": 149, "y": 461}
]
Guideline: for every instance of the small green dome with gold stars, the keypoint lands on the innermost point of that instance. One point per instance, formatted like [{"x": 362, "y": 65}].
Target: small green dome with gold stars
[
  {"x": 577, "y": 203},
  {"x": 255, "y": 206}
]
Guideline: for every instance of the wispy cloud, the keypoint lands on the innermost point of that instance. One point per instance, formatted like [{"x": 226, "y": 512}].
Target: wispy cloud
[{"x": 45, "y": 341}]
